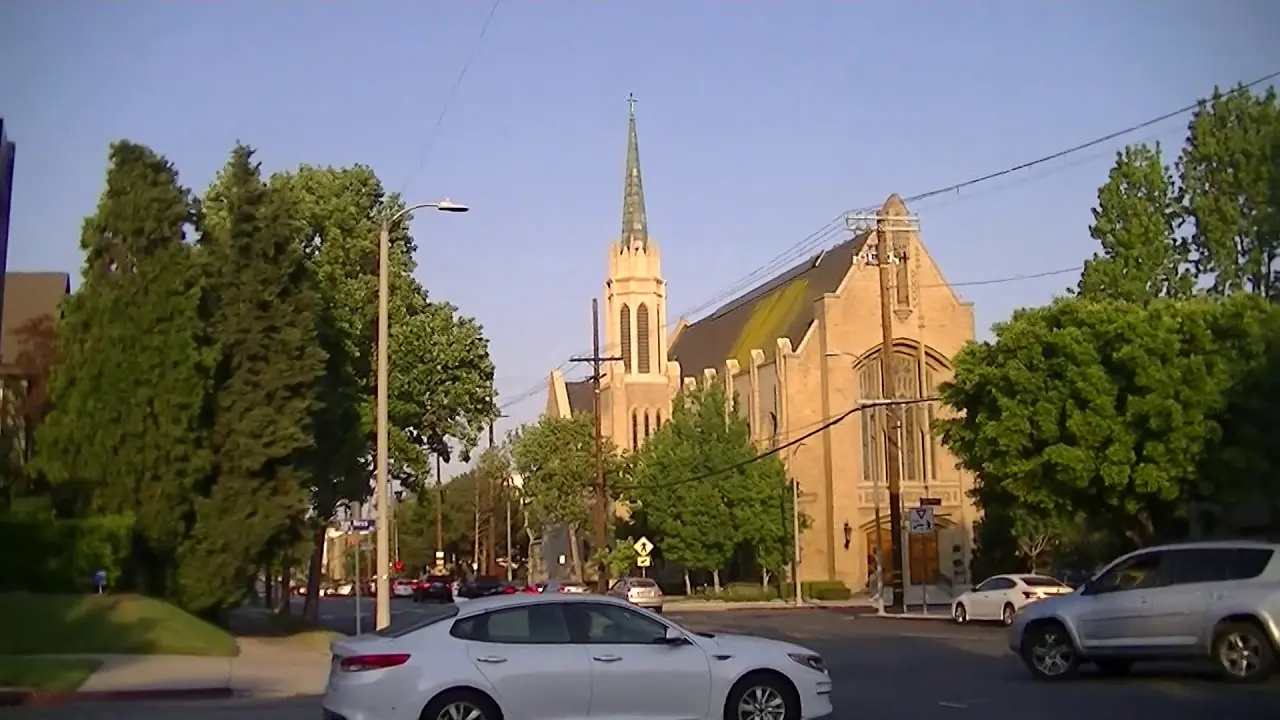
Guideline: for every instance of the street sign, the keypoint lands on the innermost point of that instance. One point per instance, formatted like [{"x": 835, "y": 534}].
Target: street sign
[
  {"x": 100, "y": 580},
  {"x": 920, "y": 520},
  {"x": 930, "y": 502},
  {"x": 361, "y": 525},
  {"x": 644, "y": 561},
  {"x": 643, "y": 547}
]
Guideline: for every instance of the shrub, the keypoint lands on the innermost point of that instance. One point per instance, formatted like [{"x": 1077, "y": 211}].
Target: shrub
[{"x": 61, "y": 555}]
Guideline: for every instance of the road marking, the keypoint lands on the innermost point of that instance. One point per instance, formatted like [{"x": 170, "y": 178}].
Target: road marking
[
  {"x": 941, "y": 636},
  {"x": 960, "y": 706}
]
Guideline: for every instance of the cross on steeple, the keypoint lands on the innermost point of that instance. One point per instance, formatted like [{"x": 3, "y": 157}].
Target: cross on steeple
[{"x": 631, "y": 104}]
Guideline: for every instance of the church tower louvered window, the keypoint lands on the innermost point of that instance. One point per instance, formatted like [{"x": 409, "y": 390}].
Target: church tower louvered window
[
  {"x": 642, "y": 339},
  {"x": 624, "y": 329}
]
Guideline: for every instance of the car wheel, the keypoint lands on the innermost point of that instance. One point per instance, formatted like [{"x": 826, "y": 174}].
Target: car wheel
[
  {"x": 1049, "y": 653},
  {"x": 461, "y": 705},
  {"x": 761, "y": 696},
  {"x": 1114, "y": 668},
  {"x": 1007, "y": 615},
  {"x": 961, "y": 615},
  {"x": 1243, "y": 653}
]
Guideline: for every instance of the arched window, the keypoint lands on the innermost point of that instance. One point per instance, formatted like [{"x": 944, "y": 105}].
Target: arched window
[
  {"x": 647, "y": 431},
  {"x": 657, "y": 423},
  {"x": 624, "y": 329},
  {"x": 902, "y": 283},
  {"x": 642, "y": 339},
  {"x": 870, "y": 422},
  {"x": 918, "y": 444},
  {"x": 635, "y": 430}
]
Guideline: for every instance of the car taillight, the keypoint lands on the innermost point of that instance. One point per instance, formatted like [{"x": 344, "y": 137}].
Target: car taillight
[
  {"x": 508, "y": 590},
  {"x": 361, "y": 663},
  {"x": 531, "y": 591},
  {"x": 562, "y": 588}
]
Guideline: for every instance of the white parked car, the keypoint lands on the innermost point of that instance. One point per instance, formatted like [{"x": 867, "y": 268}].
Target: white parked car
[
  {"x": 999, "y": 597},
  {"x": 561, "y": 656},
  {"x": 401, "y": 588}
]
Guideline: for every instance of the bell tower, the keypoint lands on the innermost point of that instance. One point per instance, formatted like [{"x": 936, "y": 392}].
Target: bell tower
[{"x": 636, "y": 310}]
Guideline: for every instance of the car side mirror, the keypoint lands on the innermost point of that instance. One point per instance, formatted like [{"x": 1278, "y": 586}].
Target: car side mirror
[{"x": 674, "y": 637}]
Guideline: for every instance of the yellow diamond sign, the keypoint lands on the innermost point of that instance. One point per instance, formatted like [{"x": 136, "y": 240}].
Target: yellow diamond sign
[{"x": 643, "y": 547}]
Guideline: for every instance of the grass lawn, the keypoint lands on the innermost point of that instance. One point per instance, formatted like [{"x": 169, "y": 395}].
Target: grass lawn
[
  {"x": 45, "y": 674},
  {"x": 36, "y": 624}
]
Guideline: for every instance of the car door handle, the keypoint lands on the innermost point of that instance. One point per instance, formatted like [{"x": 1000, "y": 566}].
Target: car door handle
[
  {"x": 491, "y": 659},
  {"x": 606, "y": 658}
]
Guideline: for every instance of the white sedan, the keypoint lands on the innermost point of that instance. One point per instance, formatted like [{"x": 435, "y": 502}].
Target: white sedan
[
  {"x": 1000, "y": 596},
  {"x": 559, "y": 656}
]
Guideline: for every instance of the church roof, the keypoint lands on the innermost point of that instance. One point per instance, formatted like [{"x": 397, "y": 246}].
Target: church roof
[
  {"x": 780, "y": 307},
  {"x": 581, "y": 396}
]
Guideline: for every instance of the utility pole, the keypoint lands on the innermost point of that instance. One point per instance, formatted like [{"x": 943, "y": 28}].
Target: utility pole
[
  {"x": 491, "y": 526},
  {"x": 439, "y": 559},
  {"x": 601, "y": 501},
  {"x": 886, "y": 257}
]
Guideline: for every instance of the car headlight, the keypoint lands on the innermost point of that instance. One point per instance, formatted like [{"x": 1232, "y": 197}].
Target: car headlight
[{"x": 813, "y": 662}]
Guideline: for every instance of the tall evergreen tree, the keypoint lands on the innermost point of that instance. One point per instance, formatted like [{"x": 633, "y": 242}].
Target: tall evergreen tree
[
  {"x": 127, "y": 395},
  {"x": 262, "y": 311},
  {"x": 1136, "y": 222}
]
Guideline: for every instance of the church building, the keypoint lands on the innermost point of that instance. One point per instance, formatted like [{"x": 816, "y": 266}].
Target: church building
[{"x": 796, "y": 351}]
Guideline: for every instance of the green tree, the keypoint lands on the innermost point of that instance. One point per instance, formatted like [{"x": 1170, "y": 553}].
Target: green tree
[
  {"x": 1136, "y": 222},
  {"x": 1104, "y": 410},
  {"x": 1228, "y": 170},
  {"x": 127, "y": 396},
  {"x": 556, "y": 460},
  {"x": 262, "y": 310},
  {"x": 740, "y": 504}
]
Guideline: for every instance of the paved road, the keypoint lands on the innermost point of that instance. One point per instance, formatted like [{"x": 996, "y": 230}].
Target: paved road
[{"x": 882, "y": 669}]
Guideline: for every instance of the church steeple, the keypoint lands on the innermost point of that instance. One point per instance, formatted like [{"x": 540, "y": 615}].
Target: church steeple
[{"x": 635, "y": 226}]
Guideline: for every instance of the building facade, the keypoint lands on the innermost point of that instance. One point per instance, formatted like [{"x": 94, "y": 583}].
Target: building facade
[{"x": 793, "y": 353}]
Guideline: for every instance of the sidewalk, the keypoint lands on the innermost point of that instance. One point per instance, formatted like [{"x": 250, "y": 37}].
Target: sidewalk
[
  {"x": 265, "y": 668},
  {"x": 857, "y": 604}
]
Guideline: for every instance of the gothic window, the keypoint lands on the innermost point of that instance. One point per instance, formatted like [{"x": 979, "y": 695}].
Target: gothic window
[
  {"x": 642, "y": 338},
  {"x": 931, "y": 440},
  {"x": 624, "y": 329},
  {"x": 903, "y": 281},
  {"x": 773, "y": 428},
  {"x": 646, "y": 425},
  {"x": 657, "y": 423},
  {"x": 907, "y": 379},
  {"x": 635, "y": 430}
]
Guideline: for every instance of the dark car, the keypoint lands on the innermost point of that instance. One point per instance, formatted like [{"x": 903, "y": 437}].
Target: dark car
[
  {"x": 482, "y": 586},
  {"x": 433, "y": 588}
]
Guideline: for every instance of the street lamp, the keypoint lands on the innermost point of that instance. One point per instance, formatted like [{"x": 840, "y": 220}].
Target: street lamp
[{"x": 382, "y": 493}]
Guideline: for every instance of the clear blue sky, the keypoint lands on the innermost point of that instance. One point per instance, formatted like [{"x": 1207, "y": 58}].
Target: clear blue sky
[{"x": 759, "y": 122}]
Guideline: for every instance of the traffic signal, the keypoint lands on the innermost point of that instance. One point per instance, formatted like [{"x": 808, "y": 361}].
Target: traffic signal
[{"x": 399, "y": 566}]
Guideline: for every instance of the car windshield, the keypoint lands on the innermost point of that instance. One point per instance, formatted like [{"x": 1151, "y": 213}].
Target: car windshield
[
  {"x": 1040, "y": 581},
  {"x": 642, "y": 583}
]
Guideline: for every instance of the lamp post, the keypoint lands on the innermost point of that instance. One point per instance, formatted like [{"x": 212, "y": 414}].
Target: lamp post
[
  {"x": 382, "y": 492},
  {"x": 514, "y": 482}
]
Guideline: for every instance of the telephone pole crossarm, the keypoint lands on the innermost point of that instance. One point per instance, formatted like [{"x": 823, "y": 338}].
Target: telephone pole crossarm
[{"x": 601, "y": 497}]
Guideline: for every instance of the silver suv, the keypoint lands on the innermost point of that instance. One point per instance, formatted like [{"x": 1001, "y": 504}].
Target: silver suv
[{"x": 1216, "y": 600}]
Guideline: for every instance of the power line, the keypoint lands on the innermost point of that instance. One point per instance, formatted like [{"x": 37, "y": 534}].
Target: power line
[
  {"x": 453, "y": 92},
  {"x": 832, "y": 422},
  {"x": 819, "y": 237}
]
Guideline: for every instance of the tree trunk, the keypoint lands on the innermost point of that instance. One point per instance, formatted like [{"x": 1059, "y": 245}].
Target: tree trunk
[
  {"x": 688, "y": 586},
  {"x": 533, "y": 560},
  {"x": 715, "y": 580},
  {"x": 575, "y": 555},
  {"x": 286, "y": 584},
  {"x": 764, "y": 579},
  {"x": 311, "y": 606}
]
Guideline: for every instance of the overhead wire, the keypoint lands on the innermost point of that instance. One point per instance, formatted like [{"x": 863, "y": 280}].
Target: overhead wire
[
  {"x": 829, "y": 423},
  {"x": 818, "y": 238},
  {"x": 434, "y": 133}
]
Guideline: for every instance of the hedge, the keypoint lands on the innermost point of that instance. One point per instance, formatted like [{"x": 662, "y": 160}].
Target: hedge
[{"x": 45, "y": 555}]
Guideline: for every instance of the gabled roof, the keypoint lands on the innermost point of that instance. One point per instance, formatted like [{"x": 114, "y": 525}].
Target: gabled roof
[
  {"x": 32, "y": 307},
  {"x": 581, "y": 396},
  {"x": 781, "y": 307}
]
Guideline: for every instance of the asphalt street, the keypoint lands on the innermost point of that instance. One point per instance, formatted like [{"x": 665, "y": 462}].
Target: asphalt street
[{"x": 881, "y": 669}]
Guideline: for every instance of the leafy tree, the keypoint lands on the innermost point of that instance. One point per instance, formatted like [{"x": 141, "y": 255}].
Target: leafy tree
[
  {"x": 556, "y": 458},
  {"x": 1136, "y": 222},
  {"x": 262, "y": 310},
  {"x": 1229, "y": 171},
  {"x": 699, "y": 523},
  {"x": 127, "y": 396},
  {"x": 1103, "y": 409}
]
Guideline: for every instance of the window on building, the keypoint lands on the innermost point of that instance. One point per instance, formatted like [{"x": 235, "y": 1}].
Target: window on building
[
  {"x": 646, "y": 425},
  {"x": 635, "y": 429},
  {"x": 907, "y": 379},
  {"x": 872, "y": 441},
  {"x": 624, "y": 329},
  {"x": 773, "y": 428},
  {"x": 657, "y": 422},
  {"x": 902, "y": 283},
  {"x": 642, "y": 338}
]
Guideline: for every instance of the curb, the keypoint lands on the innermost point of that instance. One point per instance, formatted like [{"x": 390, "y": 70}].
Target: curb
[{"x": 35, "y": 698}]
